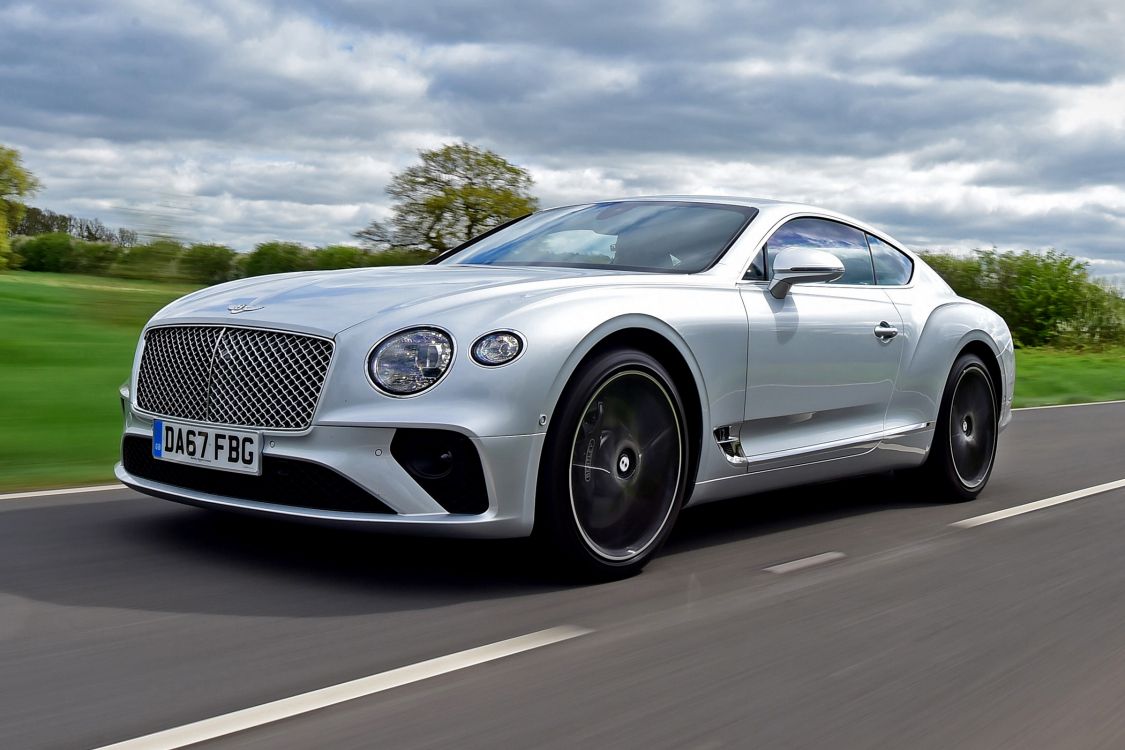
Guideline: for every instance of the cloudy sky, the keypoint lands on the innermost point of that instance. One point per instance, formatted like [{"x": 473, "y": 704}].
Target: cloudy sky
[{"x": 950, "y": 124}]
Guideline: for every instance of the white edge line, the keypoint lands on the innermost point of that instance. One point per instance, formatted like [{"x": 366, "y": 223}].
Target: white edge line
[
  {"x": 64, "y": 491},
  {"x": 999, "y": 515},
  {"x": 1067, "y": 406},
  {"x": 805, "y": 562},
  {"x": 267, "y": 713}
]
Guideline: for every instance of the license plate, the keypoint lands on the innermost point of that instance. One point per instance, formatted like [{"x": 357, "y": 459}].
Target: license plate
[{"x": 215, "y": 448}]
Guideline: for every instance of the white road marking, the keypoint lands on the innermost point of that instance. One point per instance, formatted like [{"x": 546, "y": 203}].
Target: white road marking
[
  {"x": 64, "y": 491},
  {"x": 247, "y": 718},
  {"x": 805, "y": 562},
  {"x": 1067, "y": 406},
  {"x": 1000, "y": 515}
]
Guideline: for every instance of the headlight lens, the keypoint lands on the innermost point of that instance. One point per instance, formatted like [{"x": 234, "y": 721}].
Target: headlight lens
[
  {"x": 497, "y": 348},
  {"x": 411, "y": 361}
]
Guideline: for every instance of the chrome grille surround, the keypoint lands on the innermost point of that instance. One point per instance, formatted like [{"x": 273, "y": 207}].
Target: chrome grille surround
[{"x": 233, "y": 375}]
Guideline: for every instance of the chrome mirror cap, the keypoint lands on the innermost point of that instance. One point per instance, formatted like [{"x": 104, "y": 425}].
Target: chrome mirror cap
[{"x": 803, "y": 265}]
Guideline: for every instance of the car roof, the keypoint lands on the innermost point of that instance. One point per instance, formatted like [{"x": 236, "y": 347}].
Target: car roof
[
  {"x": 773, "y": 209},
  {"x": 728, "y": 199}
]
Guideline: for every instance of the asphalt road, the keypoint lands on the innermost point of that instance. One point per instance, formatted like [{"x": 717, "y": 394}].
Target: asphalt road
[{"x": 122, "y": 615}]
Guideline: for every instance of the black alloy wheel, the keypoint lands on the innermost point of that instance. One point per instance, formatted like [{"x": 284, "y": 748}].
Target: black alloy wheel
[
  {"x": 615, "y": 467},
  {"x": 964, "y": 448}
]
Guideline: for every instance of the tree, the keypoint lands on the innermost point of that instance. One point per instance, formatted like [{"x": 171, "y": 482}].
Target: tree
[
  {"x": 208, "y": 264},
  {"x": 91, "y": 230},
  {"x": 375, "y": 236},
  {"x": 16, "y": 183},
  {"x": 154, "y": 260},
  {"x": 457, "y": 192},
  {"x": 340, "y": 256},
  {"x": 37, "y": 221},
  {"x": 47, "y": 252},
  {"x": 275, "y": 257}
]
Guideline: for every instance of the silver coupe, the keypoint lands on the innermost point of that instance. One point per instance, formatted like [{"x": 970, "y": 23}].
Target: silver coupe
[{"x": 579, "y": 375}]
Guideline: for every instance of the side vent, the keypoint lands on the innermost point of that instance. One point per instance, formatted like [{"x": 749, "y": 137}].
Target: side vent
[{"x": 729, "y": 443}]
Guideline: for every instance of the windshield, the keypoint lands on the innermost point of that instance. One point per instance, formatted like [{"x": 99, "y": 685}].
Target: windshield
[{"x": 660, "y": 236}]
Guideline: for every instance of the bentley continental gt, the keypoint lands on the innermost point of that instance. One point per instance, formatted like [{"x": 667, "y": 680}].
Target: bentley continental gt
[{"x": 579, "y": 375}]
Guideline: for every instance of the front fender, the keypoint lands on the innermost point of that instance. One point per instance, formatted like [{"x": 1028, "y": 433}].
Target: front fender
[{"x": 626, "y": 322}]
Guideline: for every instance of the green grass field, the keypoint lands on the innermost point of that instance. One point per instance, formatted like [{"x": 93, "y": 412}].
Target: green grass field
[
  {"x": 1049, "y": 376},
  {"x": 66, "y": 344}
]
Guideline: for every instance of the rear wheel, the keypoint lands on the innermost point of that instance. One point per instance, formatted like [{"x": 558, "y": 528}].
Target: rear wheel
[
  {"x": 614, "y": 469},
  {"x": 964, "y": 448}
]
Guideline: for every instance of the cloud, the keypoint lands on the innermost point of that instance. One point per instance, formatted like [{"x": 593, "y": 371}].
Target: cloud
[
  {"x": 952, "y": 124},
  {"x": 1031, "y": 59}
]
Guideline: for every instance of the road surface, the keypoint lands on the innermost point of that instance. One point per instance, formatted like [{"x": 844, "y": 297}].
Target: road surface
[{"x": 844, "y": 615}]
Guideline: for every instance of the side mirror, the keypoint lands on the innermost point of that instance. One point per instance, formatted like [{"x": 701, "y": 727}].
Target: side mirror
[{"x": 803, "y": 265}]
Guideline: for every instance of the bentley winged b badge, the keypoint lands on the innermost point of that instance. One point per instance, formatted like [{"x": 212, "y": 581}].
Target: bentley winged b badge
[{"x": 241, "y": 308}]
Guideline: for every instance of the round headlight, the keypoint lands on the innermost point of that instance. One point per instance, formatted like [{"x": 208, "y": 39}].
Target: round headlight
[
  {"x": 411, "y": 361},
  {"x": 497, "y": 348}
]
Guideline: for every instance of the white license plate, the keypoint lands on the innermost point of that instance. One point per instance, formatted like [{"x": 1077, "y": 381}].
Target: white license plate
[{"x": 213, "y": 447}]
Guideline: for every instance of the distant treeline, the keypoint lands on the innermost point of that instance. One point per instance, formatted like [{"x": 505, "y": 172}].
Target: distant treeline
[
  {"x": 36, "y": 221},
  {"x": 59, "y": 243},
  {"x": 1047, "y": 298},
  {"x": 168, "y": 260}
]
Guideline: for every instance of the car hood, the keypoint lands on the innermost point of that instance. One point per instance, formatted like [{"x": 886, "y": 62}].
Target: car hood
[{"x": 328, "y": 302}]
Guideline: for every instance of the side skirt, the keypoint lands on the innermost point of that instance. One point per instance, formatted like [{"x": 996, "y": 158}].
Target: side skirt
[{"x": 898, "y": 448}]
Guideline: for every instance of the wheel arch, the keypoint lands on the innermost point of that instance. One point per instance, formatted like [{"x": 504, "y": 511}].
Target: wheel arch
[
  {"x": 660, "y": 341},
  {"x": 991, "y": 363},
  {"x": 937, "y": 336}
]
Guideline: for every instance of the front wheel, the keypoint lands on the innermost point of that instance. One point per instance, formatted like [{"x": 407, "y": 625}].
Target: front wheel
[
  {"x": 614, "y": 469},
  {"x": 964, "y": 447}
]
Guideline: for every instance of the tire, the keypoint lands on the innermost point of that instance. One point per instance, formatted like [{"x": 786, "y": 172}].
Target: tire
[
  {"x": 964, "y": 448},
  {"x": 614, "y": 471}
]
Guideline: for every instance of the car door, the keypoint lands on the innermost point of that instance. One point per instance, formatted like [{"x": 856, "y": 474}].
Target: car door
[{"x": 823, "y": 361}]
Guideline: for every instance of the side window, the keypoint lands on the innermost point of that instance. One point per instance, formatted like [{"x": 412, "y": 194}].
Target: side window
[
  {"x": 892, "y": 268},
  {"x": 846, "y": 243}
]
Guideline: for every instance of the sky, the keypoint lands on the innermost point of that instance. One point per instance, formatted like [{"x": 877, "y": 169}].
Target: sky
[{"x": 948, "y": 124}]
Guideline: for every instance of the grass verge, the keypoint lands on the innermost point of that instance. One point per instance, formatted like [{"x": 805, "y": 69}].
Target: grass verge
[
  {"x": 66, "y": 344},
  {"x": 1051, "y": 376}
]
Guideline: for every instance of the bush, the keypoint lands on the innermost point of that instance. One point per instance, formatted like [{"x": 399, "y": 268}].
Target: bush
[
  {"x": 1045, "y": 298},
  {"x": 960, "y": 272},
  {"x": 1100, "y": 321},
  {"x": 46, "y": 252},
  {"x": 400, "y": 257},
  {"x": 94, "y": 258},
  {"x": 156, "y": 260},
  {"x": 208, "y": 264},
  {"x": 275, "y": 257},
  {"x": 340, "y": 256}
]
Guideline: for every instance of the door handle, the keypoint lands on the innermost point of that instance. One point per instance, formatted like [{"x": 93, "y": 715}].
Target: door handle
[{"x": 885, "y": 331}]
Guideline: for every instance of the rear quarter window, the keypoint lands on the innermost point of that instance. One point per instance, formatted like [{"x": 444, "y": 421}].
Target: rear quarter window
[{"x": 892, "y": 266}]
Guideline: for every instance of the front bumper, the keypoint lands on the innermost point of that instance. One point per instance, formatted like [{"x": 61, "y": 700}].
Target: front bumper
[{"x": 363, "y": 456}]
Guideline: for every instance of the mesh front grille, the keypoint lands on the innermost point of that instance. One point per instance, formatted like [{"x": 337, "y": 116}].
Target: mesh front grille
[{"x": 242, "y": 377}]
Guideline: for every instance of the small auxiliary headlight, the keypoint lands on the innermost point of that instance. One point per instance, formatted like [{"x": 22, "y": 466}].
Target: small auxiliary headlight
[{"x": 497, "y": 348}]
